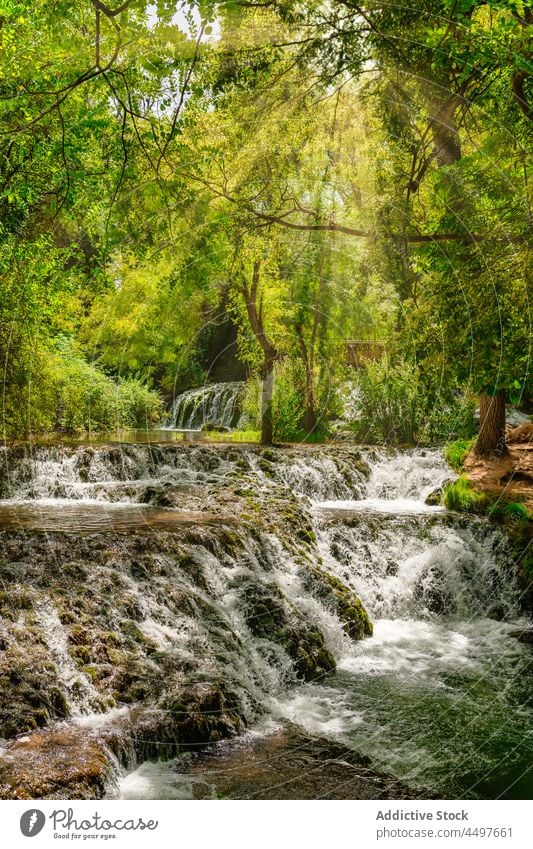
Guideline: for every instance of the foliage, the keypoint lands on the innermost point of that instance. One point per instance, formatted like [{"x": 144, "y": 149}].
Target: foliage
[
  {"x": 378, "y": 177},
  {"x": 62, "y": 392},
  {"x": 462, "y": 496},
  {"x": 395, "y": 402},
  {"x": 288, "y": 403},
  {"x": 88, "y": 400},
  {"x": 511, "y": 512},
  {"x": 389, "y": 403}
]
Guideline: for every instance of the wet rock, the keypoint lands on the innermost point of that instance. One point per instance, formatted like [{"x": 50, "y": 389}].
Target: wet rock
[
  {"x": 198, "y": 714},
  {"x": 432, "y": 593},
  {"x": 270, "y": 616},
  {"x": 289, "y": 765},
  {"x": 162, "y": 495},
  {"x": 340, "y": 599},
  {"x": 31, "y": 693},
  {"x": 142, "y": 616},
  {"x": 65, "y": 764},
  {"x": 434, "y": 498},
  {"x": 213, "y": 427},
  {"x": 524, "y": 635}
]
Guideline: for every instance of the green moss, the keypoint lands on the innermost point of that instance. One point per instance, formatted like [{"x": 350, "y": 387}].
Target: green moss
[
  {"x": 82, "y": 654},
  {"x": 510, "y": 511},
  {"x": 456, "y": 453},
  {"x": 463, "y": 497},
  {"x": 92, "y": 672},
  {"x": 270, "y": 616},
  {"x": 339, "y": 598},
  {"x": 132, "y": 630}
]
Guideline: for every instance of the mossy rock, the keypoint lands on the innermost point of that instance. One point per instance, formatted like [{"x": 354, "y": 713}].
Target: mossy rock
[
  {"x": 132, "y": 630},
  {"x": 340, "y": 599},
  {"x": 271, "y": 616},
  {"x": 188, "y": 716},
  {"x": 31, "y": 694},
  {"x": 134, "y": 679}
]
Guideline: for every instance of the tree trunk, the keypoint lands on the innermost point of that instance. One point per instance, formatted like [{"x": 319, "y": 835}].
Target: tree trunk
[
  {"x": 310, "y": 402},
  {"x": 254, "y": 309},
  {"x": 267, "y": 392},
  {"x": 308, "y": 358},
  {"x": 445, "y": 134},
  {"x": 491, "y": 436},
  {"x": 310, "y": 421}
]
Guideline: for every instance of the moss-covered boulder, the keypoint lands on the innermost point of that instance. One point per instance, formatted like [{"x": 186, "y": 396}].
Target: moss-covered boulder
[
  {"x": 340, "y": 599},
  {"x": 271, "y": 616}
]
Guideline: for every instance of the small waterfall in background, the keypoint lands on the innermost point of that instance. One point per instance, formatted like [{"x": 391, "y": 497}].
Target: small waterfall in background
[{"x": 213, "y": 404}]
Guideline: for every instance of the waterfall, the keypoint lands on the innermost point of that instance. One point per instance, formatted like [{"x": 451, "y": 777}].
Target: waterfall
[
  {"x": 243, "y": 613},
  {"x": 137, "y": 473},
  {"x": 413, "y": 567},
  {"x": 215, "y": 404}
]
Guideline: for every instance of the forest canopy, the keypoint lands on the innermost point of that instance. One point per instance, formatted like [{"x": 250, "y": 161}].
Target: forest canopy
[{"x": 289, "y": 176}]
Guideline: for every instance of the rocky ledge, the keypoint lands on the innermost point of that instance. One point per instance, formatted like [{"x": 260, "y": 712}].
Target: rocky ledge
[{"x": 186, "y": 626}]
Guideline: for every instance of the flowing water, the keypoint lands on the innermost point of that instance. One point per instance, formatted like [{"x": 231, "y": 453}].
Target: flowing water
[
  {"x": 213, "y": 404},
  {"x": 439, "y": 697}
]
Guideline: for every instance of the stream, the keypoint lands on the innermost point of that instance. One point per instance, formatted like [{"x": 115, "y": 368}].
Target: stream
[{"x": 438, "y": 698}]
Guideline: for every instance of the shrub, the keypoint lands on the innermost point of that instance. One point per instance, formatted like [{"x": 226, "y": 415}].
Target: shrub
[
  {"x": 288, "y": 402},
  {"x": 137, "y": 406},
  {"x": 389, "y": 403},
  {"x": 251, "y": 405},
  {"x": 395, "y": 403},
  {"x": 59, "y": 390}
]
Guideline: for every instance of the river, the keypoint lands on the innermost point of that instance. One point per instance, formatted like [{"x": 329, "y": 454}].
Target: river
[{"x": 438, "y": 698}]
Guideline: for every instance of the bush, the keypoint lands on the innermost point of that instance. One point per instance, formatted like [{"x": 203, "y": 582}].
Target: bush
[
  {"x": 251, "y": 405},
  {"x": 394, "y": 404},
  {"x": 89, "y": 400},
  {"x": 287, "y": 404},
  {"x": 389, "y": 403},
  {"x": 60, "y": 391},
  {"x": 137, "y": 406}
]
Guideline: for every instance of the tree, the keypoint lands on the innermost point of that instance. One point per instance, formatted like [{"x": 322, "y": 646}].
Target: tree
[
  {"x": 437, "y": 62},
  {"x": 253, "y": 302}
]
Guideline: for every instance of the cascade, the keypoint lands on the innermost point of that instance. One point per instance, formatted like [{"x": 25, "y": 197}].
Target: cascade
[
  {"x": 122, "y": 474},
  {"x": 215, "y": 403},
  {"x": 234, "y": 611}
]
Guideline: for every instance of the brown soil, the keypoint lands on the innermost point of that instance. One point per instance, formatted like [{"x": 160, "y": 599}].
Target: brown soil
[{"x": 510, "y": 475}]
